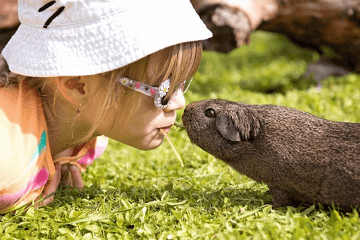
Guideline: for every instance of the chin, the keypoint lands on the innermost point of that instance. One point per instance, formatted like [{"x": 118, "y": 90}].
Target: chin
[{"x": 149, "y": 146}]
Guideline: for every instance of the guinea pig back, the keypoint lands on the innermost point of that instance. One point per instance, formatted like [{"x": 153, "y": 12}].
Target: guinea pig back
[{"x": 302, "y": 158}]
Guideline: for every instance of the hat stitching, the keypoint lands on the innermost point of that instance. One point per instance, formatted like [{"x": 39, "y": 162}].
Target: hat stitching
[
  {"x": 46, "y": 6},
  {"x": 52, "y": 17},
  {"x": 81, "y": 22}
]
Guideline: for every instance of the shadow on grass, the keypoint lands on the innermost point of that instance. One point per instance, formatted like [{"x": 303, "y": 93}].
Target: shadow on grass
[
  {"x": 205, "y": 199},
  {"x": 299, "y": 83},
  {"x": 208, "y": 200},
  {"x": 266, "y": 86},
  {"x": 270, "y": 64}
]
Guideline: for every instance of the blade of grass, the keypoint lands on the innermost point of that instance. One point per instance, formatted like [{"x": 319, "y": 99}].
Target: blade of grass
[
  {"x": 106, "y": 216},
  {"x": 179, "y": 125},
  {"x": 177, "y": 153}
]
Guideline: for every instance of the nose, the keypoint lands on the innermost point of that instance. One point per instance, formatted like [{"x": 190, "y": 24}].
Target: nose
[{"x": 178, "y": 102}]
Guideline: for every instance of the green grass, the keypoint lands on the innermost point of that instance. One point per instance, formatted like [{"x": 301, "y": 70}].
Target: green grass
[{"x": 132, "y": 194}]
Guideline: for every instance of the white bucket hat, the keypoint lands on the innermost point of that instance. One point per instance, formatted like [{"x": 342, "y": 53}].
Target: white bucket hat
[{"x": 85, "y": 37}]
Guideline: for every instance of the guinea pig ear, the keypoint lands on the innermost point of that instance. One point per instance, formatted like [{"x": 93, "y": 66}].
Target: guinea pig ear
[
  {"x": 227, "y": 128},
  {"x": 247, "y": 124}
]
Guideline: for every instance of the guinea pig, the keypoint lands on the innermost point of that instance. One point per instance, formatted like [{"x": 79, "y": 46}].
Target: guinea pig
[{"x": 302, "y": 158}]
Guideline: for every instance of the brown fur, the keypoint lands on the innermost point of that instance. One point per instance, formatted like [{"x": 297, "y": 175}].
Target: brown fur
[{"x": 302, "y": 158}]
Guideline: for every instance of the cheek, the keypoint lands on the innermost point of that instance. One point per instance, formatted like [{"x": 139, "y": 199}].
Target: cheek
[{"x": 143, "y": 120}]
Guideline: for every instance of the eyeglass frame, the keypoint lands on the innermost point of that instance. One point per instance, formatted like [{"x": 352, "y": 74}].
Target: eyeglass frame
[{"x": 158, "y": 93}]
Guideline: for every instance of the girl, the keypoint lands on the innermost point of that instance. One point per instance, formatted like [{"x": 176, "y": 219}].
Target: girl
[{"x": 77, "y": 72}]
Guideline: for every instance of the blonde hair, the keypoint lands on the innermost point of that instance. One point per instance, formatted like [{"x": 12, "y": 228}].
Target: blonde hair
[{"x": 178, "y": 62}]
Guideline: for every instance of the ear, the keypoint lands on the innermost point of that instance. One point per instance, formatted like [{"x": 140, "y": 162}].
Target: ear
[
  {"x": 238, "y": 126},
  {"x": 74, "y": 89},
  {"x": 226, "y": 127}
]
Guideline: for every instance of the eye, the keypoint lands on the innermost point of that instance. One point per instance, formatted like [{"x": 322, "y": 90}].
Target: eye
[{"x": 210, "y": 113}]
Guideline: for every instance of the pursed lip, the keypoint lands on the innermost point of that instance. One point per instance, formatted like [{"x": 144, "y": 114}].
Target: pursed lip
[{"x": 167, "y": 128}]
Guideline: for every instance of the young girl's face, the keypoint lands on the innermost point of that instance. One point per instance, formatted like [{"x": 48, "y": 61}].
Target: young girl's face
[{"x": 142, "y": 131}]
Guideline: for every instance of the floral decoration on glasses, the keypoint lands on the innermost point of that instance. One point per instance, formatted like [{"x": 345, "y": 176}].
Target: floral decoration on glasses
[{"x": 158, "y": 93}]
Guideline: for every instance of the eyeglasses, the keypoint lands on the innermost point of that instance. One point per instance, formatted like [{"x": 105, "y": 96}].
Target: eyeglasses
[{"x": 158, "y": 93}]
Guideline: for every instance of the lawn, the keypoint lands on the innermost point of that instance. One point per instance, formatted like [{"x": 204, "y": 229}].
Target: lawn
[{"x": 132, "y": 194}]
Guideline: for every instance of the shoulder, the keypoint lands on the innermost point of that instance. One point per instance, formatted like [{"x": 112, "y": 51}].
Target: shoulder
[{"x": 22, "y": 132}]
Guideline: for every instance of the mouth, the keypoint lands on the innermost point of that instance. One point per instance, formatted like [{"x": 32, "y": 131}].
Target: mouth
[{"x": 165, "y": 129}]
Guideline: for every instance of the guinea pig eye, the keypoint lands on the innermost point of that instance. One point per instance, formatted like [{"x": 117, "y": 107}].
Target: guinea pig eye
[{"x": 210, "y": 113}]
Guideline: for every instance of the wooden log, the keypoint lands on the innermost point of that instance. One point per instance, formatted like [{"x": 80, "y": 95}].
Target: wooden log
[
  {"x": 308, "y": 23},
  {"x": 228, "y": 32},
  {"x": 317, "y": 23},
  {"x": 232, "y": 21}
]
